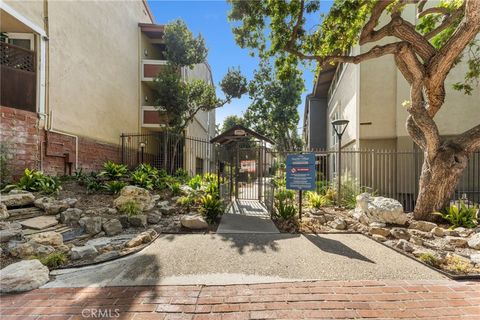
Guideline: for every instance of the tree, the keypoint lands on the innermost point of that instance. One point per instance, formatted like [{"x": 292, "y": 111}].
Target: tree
[
  {"x": 273, "y": 111},
  {"x": 231, "y": 121},
  {"x": 180, "y": 101},
  {"x": 424, "y": 52}
]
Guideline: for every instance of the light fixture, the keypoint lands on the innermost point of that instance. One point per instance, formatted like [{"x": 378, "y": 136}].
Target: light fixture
[
  {"x": 145, "y": 52},
  {"x": 339, "y": 126},
  {"x": 146, "y": 98}
]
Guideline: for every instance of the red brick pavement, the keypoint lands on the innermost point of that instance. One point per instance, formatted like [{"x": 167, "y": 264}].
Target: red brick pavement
[{"x": 295, "y": 300}]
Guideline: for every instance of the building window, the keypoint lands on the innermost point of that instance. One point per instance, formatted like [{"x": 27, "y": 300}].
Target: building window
[{"x": 199, "y": 166}]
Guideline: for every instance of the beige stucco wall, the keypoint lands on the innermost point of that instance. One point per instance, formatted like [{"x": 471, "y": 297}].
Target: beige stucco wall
[
  {"x": 32, "y": 10},
  {"x": 94, "y": 67}
]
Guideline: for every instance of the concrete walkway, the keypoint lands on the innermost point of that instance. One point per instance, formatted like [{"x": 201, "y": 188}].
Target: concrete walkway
[
  {"x": 249, "y": 258},
  {"x": 246, "y": 216}
]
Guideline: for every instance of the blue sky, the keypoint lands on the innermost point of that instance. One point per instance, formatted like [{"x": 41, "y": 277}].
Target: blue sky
[{"x": 210, "y": 19}]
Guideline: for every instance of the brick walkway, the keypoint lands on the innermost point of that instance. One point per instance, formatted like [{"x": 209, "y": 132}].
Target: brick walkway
[{"x": 298, "y": 300}]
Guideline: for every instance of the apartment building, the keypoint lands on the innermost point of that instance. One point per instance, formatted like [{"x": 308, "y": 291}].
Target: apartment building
[{"x": 75, "y": 76}]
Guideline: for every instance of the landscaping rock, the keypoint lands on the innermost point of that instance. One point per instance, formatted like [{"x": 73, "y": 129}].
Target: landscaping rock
[
  {"x": 112, "y": 227},
  {"x": 124, "y": 220},
  {"x": 17, "y": 198},
  {"x": 168, "y": 210},
  {"x": 140, "y": 196},
  {"x": 463, "y": 232},
  {"x": 379, "y": 209},
  {"x": 439, "y": 232},
  {"x": 142, "y": 238},
  {"x": 474, "y": 241},
  {"x": 450, "y": 232},
  {"x": 92, "y": 225},
  {"x": 404, "y": 245},
  {"x": 421, "y": 234},
  {"x": 154, "y": 217},
  {"x": 164, "y": 203},
  {"x": 424, "y": 226},
  {"x": 379, "y": 238},
  {"x": 416, "y": 240},
  {"x": 3, "y": 212},
  {"x": 384, "y": 232},
  {"x": 28, "y": 249},
  {"x": 115, "y": 241},
  {"x": 320, "y": 218},
  {"x": 39, "y": 223},
  {"x": 139, "y": 221},
  {"x": 194, "y": 221},
  {"x": 9, "y": 234},
  {"x": 49, "y": 238},
  {"x": 107, "y": 256},
  {"x": 400, "y": 233},
  {"x": 53, "y": 206},
  {"x": 71, "y": 216},
  {"x": 475, "y": 258},
  {"x": 86, "y": 251},
  {"x": 457, "y": 242},
  {"x": 339, "y": 224},
  {"x": 23, "y": 276}
]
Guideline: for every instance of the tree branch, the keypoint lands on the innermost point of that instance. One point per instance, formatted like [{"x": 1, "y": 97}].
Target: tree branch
[
  {"x": 368, "y": 32},
  {"x": 470, "y": 139},
  {"x": 440, "y": 10},
  {"x": 447, "y": 22},
  {"x": 443, "y": 61}
]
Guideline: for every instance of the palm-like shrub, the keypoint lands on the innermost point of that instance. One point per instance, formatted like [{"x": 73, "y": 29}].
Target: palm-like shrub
[
  {"x": 113, "y": 170},
  {"x": 460, "y": 216},
  {"x": 210, "y": 207},
  {"x": 36, "y": 181}
]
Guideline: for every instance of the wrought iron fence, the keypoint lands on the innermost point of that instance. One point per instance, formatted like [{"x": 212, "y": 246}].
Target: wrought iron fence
[
  {"x": 168, "y": 151},
  {"x": 390, "y": 173}
]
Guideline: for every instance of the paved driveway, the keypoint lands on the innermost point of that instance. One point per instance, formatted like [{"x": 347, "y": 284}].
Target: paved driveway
[{"x": 249, "y": 258}]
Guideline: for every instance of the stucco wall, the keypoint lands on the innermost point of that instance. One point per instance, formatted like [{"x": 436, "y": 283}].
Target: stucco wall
[
  {"x": 94, "y": 67},
  {"x": 32, "y": 10}
]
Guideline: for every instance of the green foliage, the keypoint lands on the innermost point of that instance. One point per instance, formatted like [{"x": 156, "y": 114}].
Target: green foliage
[
  {"x": 186, "y": 201},
  {"x": 279, "y": 182},
  {"x": 36, "y": 181},
  {"x": 462, "y": 216},
  {"x": 195, "y": 182},
  {"x": 181, "y": 175},
  {"x": 174, "y": 188},
  {"x": 316, "y": 200},
  {"x": 113, "y": 170},
  {"x": 284, "y": 204},
  {"x": 183, "y": 48},
  {"x": 273, "y": 110},
  {"x": 231, "y": 121},
  {"x": 210, "y": 207},
  {"x": 429, "y": 259},
  {"x": 130, "y": 208},
  {"x": 54, "y": 260},
  {"x": 93, "y": 183},
  {"x": 142, "y": 179},
  {"x": 114, "y": 187}
]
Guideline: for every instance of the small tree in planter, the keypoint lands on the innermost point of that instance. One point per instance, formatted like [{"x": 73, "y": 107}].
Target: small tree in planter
[{"x": 181, "y": 100}]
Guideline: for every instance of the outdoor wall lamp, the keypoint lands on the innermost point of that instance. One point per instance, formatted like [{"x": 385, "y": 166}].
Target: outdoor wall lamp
[
  {"x": 145, "y": 52},
  {"x": 142, "y": 150},
  {"x": 339, "y": 126}
]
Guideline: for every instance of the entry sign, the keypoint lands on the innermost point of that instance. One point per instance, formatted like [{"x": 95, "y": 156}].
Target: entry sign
[{"x": 301, "y": 171}]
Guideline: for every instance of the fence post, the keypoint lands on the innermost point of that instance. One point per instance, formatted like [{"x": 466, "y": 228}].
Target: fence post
[{"x": 122, "y": 156}]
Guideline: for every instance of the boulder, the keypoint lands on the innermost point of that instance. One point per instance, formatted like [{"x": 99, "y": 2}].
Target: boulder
[
  {"x": 424, "y": 226},
  {"x": 400, "y": 233},
  {"x": 123, "y": 220},
  {"x": 475, "y": 258},
  {"x": 17, "y": 198},
  {"x": 40, "y": 222},
  {"x": 139, "y": 221},
  {"x": 3, "y": 212},
  {"x": 163, "y": 203},
  {"x": 112, "y": 227},
  {"x": 140, "y": 196},
  {"x": 457, "y": 242},
  {"x": 82, "y": 252},
  {"x": 49, "y": 238},
  {"x": 384, "y": 232},
  {"x": 379, "y": 209},
  {"x": 463, "y": 232},
  {"x": 71, "y": 216},
  {"x": 474, "y": 241},
  {"x": 142, "y": 238},
  {"x": 28, "y": 249},
  {"x": 53, "y": 206},
  {"x": 194, "y": 221},
  {"x": 10, "y": 233},
  {"x": 92, "y": 225},
  {"x": 404, "y": 245},
  {"x": 338, "y": 224},
  {"x": 379, "y": 237},
  {"x": 168, "y": 210},
  {"x": 154, "y": 217},
  {"x": 22, "y": 276}
]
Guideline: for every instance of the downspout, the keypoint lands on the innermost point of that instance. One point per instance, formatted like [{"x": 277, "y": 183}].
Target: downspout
[{"x": 49, "y": 124}]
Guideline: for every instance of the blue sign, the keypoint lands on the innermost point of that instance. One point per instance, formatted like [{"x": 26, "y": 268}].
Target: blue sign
[{"x": 301, "y": 172}]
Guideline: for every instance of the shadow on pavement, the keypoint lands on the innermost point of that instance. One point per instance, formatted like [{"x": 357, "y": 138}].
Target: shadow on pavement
[{"x": 335, "y": 247}]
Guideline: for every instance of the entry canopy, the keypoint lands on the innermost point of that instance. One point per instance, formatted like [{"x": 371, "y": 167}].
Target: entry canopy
[{"x": 238, "y": 133}]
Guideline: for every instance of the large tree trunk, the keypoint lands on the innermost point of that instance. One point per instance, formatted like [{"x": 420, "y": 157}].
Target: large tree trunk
[{"x": 438, "y": 181}]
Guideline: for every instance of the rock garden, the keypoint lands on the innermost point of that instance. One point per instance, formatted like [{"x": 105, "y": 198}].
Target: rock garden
[
  {"x": 451, "y": 246},
  {"x": 50, "y": 222}
]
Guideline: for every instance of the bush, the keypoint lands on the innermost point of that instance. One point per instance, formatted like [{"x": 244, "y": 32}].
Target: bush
[
  {"x": 54, "y": 260},
  {"x": 429, "y": 259},
  {"x": 142, "y": 179},
  {"x": 181, "y": 175},
  {"x": 36, "y": 181},
  {"x": 460, "y": 216},
  {"x": 195, "y": 182},
  {"x": 114, "y": 186},
  {"x": 174, "y": 188},
  {"x": 186, "y": 201},
  {"x": 315, "y": 200},
  {"x": 284, "y": 204},
  {"x": 130, "y": 208},
  {"x": 113, "y": 170},
  {"x": 210, "y": 207}
]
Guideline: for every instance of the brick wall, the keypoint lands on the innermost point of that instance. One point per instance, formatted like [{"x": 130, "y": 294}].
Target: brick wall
[{"x": 26, "y": 145}]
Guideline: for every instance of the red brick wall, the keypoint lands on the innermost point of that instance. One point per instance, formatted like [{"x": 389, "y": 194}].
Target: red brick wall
[{"x": 27, "y": 146}]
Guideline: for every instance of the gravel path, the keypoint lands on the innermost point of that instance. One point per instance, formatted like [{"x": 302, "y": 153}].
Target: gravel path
[{"x": 249, "y": 258}]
